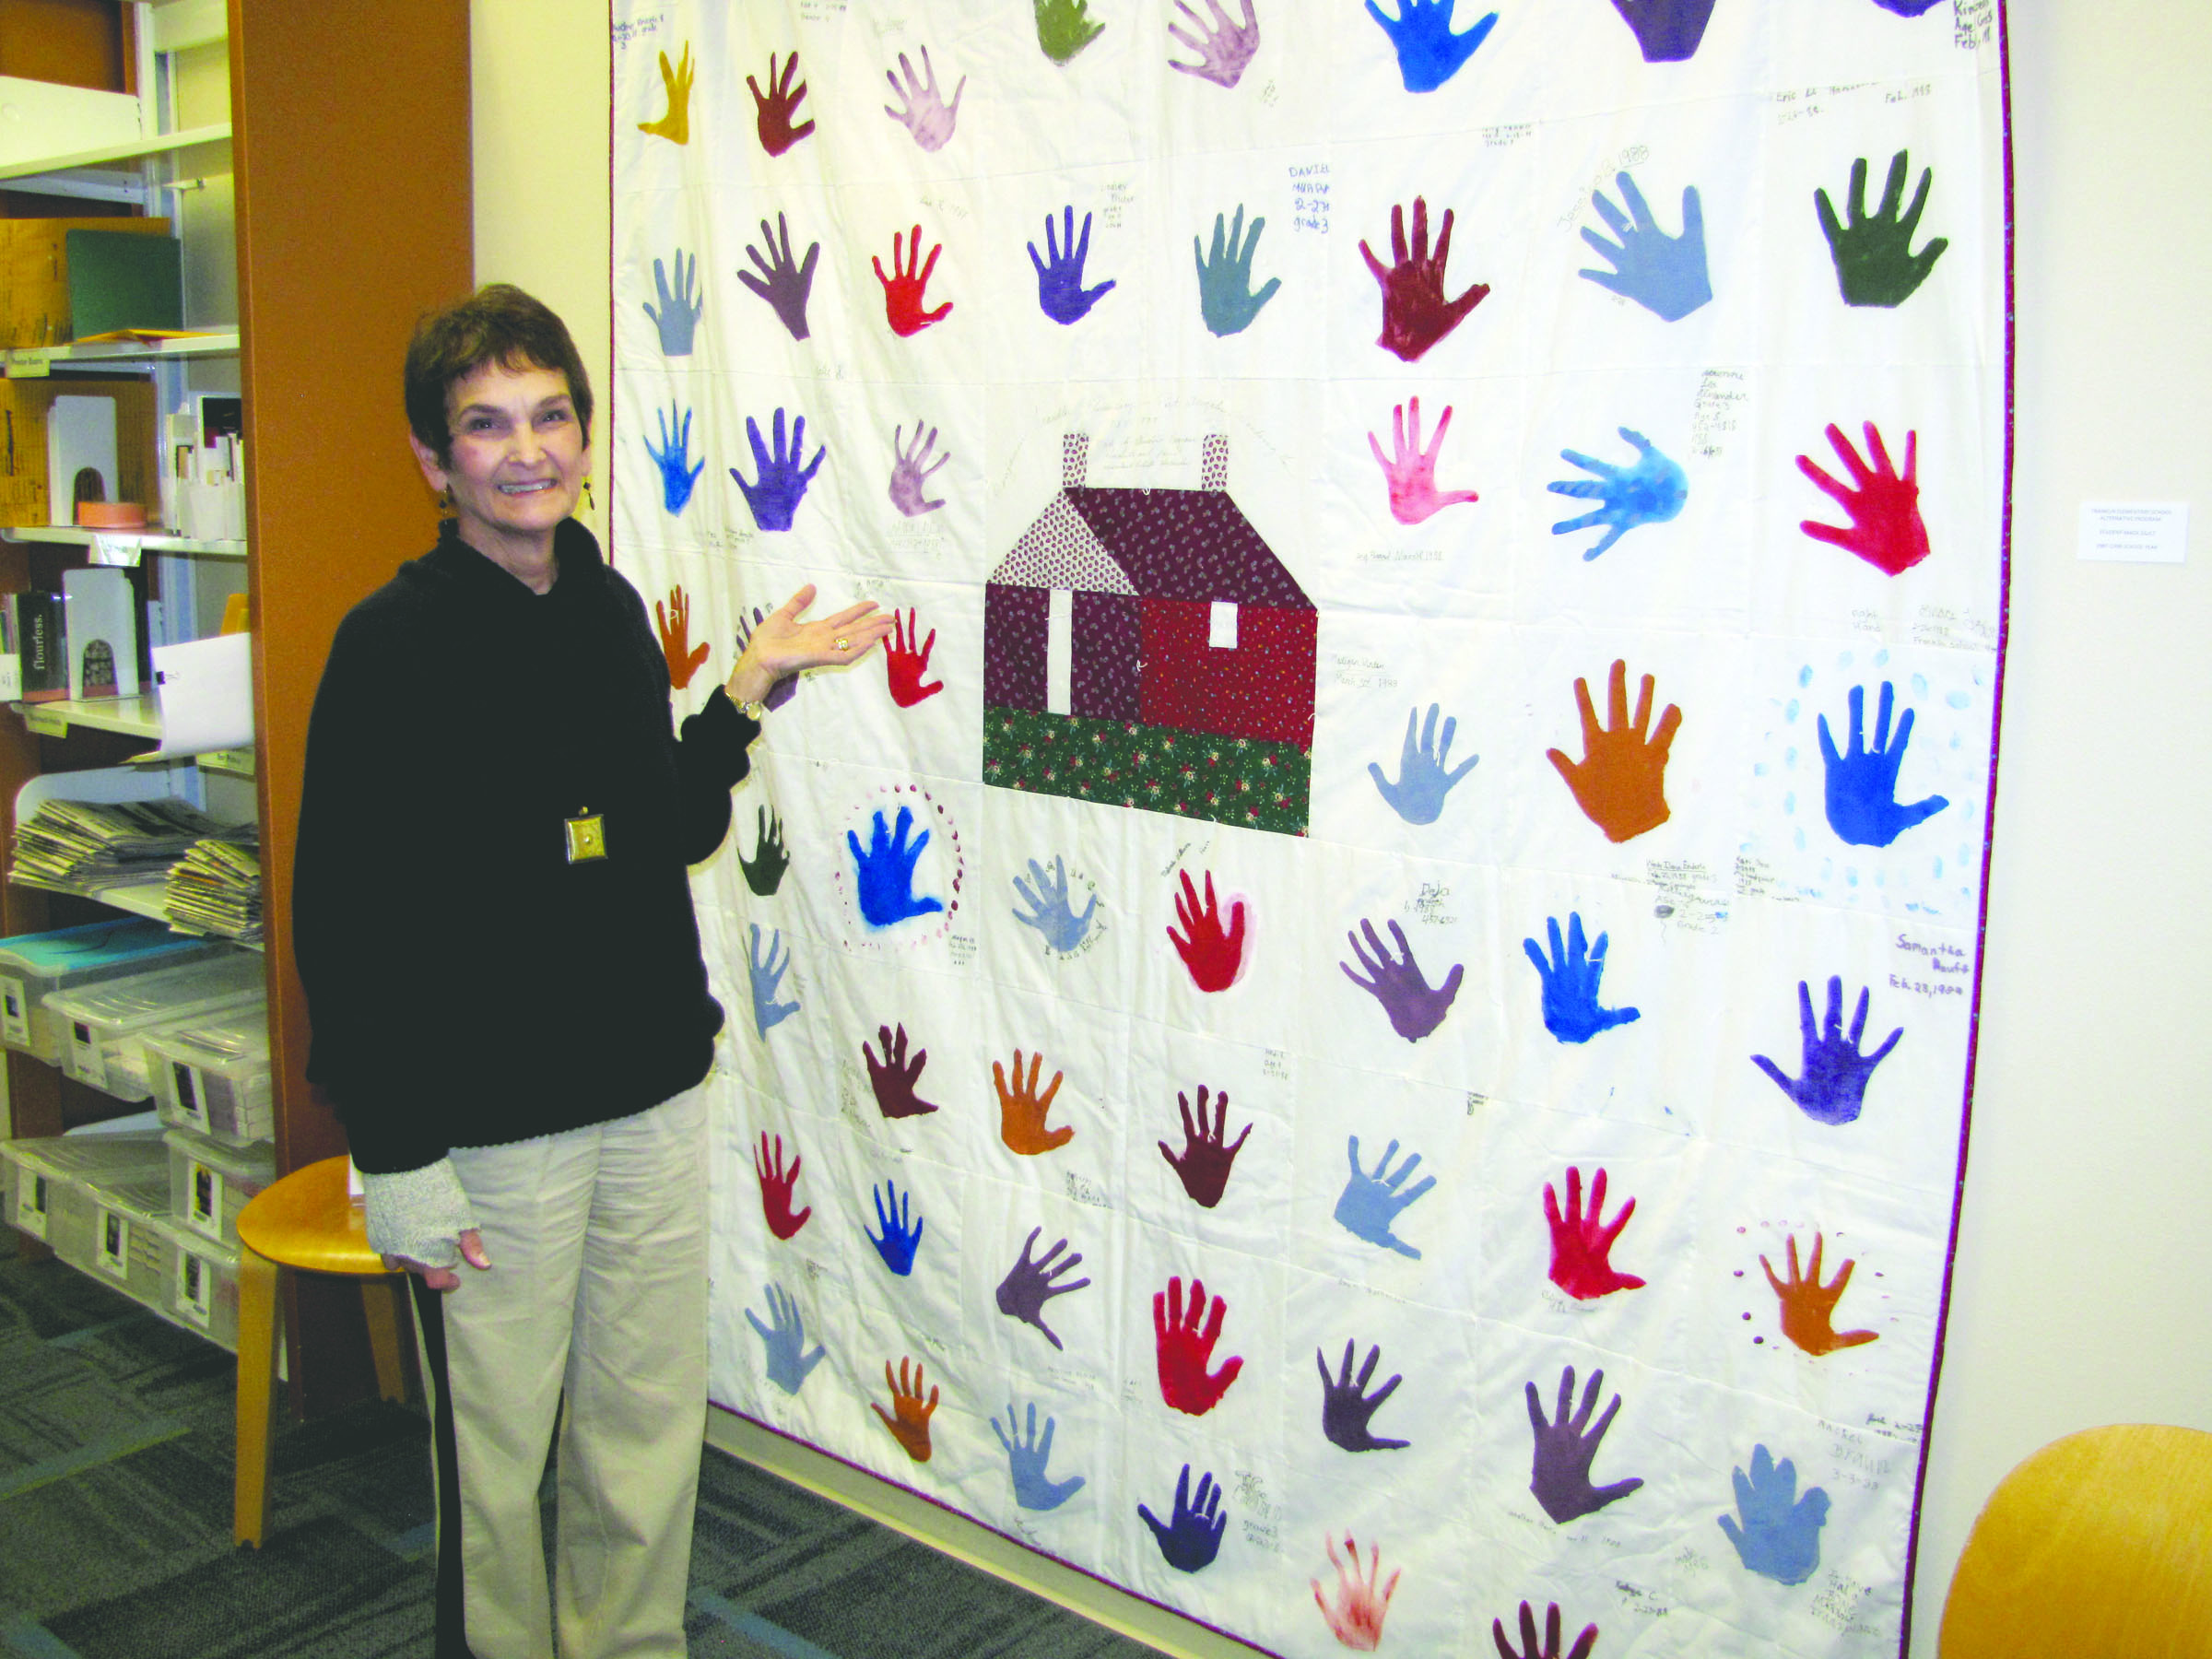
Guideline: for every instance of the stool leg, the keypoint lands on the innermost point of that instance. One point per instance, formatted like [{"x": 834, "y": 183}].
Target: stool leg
[
  {"x": 256, "y": 1387},
  {"x": 380, "y": 1304}
]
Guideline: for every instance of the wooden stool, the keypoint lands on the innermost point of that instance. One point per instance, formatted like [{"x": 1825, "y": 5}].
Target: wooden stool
[{"x": 306, "y": 1222}]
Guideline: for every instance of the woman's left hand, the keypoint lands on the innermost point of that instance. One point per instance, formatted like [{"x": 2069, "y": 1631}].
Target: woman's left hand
[{"x": 782, "y": 644}]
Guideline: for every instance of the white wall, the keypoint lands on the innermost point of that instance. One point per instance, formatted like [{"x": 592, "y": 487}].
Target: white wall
[{"x": 2081, "y": 1294}]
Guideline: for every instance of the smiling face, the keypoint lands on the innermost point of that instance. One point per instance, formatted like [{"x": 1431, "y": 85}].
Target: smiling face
[{"x": 515, "y": 463}]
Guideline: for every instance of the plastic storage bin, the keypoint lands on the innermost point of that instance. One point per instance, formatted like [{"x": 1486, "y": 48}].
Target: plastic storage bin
[
  {"x": 209, "y": 1182},
  {"x": 201, "y": 1277},
  {"x": 101, "y": 1024},
  {"x": 33, "y": 966},
  {"x": 210, "y": 1075},
  {"x": 121, "y": 1243},
  {"x": 53, "y": 1176}
]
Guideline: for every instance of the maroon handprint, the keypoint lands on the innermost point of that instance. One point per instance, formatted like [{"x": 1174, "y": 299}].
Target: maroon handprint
[
  {"x": 776, "y": 1183},
  {"x": 1212, "y": 954},
  {"x": 904, "y": 666},
  {"x": 1204, "y": 1164},
  {"x": 1185, "y": 1350},
  {"x": 893, "y": 1077},
  {"x": 1582, "y": 1242},
  {"x": 1548, "y": 1648},
  {"x": 1416, "y": 314},
  {"x": 904, "y": 288},
  {"x": 1886, "y": 528},
  {"x": 774, "y": 113}
]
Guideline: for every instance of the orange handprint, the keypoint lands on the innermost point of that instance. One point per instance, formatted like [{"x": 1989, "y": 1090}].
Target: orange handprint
[
  {"x": 676, "y": 125},
  {"x": 1808, "y": 1307},
  {"x": 1021, "y": 1110},
  {"x": 1620, "y": 781},
  {"x": 673, "y": 622},
  {"x": 910, "y": 1428}
]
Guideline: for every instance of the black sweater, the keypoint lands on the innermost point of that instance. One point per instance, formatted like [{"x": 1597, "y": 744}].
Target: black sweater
[{"x": 467, "y": 984}]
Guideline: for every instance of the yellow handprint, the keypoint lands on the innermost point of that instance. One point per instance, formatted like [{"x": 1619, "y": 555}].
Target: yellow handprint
[{"x": 675, "y": 125}]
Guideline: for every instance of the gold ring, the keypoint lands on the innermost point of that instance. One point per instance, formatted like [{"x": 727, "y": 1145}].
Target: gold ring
[{"x": 843, "y": 644}]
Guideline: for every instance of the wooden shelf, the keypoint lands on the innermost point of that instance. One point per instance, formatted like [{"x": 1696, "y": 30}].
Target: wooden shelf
[
  {"x": 33, "y": 361},
  {"x": 93, "y": 159}
]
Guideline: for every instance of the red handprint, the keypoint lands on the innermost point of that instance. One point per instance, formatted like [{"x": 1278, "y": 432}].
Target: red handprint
[
  {"x": 902, "y": 290},
  {"x": 775, "y": 1188},
  {"x": 1886, "y": 528},
  {"x": 673, "y": 623},
  {"x": 1212, "y": 956},
  {"x": 774, "y": 113},
  {"x": 1416, "y": 314},
  {"x": 904, "y": 666},
  {"x": 1582, "y": 1242},
  {"x": 1183, "y": 1350},
  {"x": 1808, "y": 1307}
]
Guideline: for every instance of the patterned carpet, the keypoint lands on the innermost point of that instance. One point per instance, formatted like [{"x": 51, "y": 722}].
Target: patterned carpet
[{"x": 115, "y": 1469}]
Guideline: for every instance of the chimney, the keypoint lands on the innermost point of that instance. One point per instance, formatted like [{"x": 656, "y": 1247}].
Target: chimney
[
  {"x": 1074, "y": 454},
  {"x": 1213, "y": 468}
]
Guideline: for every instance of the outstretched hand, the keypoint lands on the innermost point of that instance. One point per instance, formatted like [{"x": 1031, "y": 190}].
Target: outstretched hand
[{"x": 782, "y": 644}]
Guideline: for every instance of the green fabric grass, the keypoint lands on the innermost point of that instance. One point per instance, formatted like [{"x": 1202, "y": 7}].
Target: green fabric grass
[{"x": 1120, "y": 763}]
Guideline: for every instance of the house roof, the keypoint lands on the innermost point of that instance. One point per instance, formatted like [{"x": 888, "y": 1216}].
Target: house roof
[{"x": 1186, "y": 543}]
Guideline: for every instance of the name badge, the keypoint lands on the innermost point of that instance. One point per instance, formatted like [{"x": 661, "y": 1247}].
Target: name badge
[{"x": 587, "y": 837}]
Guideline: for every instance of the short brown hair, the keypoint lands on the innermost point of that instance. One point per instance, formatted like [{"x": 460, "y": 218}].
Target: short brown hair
[{"x": 498, "y": 323}]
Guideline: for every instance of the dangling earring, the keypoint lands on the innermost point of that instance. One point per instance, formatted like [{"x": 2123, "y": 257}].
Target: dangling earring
[{"x": 589, "y": 505}]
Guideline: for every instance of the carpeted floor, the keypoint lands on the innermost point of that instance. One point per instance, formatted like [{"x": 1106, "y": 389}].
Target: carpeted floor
[{"x": 116, "y": 1466}]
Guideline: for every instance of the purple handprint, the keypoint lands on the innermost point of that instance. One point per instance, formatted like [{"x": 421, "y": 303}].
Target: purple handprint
[
  {"x": 782, "y": 283},
  {"x": 1060, "y": 291},
  {"x": 910, "y": 477},
  {"x": 1347, "y": 1407},
  {"x": 1224, "y": 49},
  {"x": 774, "y": 499},
  {"x": 1028, "y": 1284},
  {"x": 926, "y": 116},
  {"x": 1668, "y": 31},
  {"x": 1414, "y": 1008},
  {"x": 1832, "y": 1088},
  {"x": 1565, "y": 1447}
]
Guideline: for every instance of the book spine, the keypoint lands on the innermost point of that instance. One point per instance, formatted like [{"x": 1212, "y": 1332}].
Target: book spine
[{"x": 45, "y": 656}]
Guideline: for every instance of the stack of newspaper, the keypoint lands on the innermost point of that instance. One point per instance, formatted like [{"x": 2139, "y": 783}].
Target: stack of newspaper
[
  {"x": 76, "y": 846},
  {"x": 215, "y": 888}
]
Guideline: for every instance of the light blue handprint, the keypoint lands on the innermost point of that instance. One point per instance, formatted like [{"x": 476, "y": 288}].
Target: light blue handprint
[
  {"x": 1060, "y": 291},
  {"x": 1650, "y": 491},
  {"x": 1368, "y": 1203},
  {"x": 1429, "y": 53},
  {"x": 775, "y": 498},
  {"x": 1418, "y": 794},
  {"x": 1780, "y": 1537},
  {"x": 884, "y": 872},
  {"x": 1863, "y": 808},
  {"x": 766, "y": 973},
  {"x": 673, "y": 455},
  {"x": 677, "y": 318},
  {"x": 1570, "y": 978},
  {"x": 1052, "y": 913},
  {"x": 1026, "y": 1459},
  {"x": 1226, "y": 301},
  {"x": 789, "y": 1365},
  {"x": 901, "y": 1235},
  {"x": 1664, "y": 274}
]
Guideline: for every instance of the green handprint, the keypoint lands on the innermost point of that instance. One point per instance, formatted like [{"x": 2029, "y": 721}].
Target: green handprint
[
  {"x": 1063, "y": 28},
  {"x": 1875, "y": 262}
]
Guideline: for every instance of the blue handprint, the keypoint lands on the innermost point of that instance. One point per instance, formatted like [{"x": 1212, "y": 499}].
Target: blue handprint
[
  {"x": 1570, "y": 978},
  {"x": 1025, "y": 1460},
  {"x": 1664, "y": 274},
  {"x": 677, "y": 318},
  {"x": 766, "y": 973},
  {"x": 1863, "y": 808},
  {"x": 1832, "y": 1087},
  {"x": 783, "y": 485},
  {"x": 1418, "y": 794},
  {"x": 1907, "y": 8},
  {"x": 673, "y": 457},
  {"x": 1780, "y": 1536},
  {"x": 1052, "y": 914},
  {"x": 1226, "y": 300},
  {"x": 1650, "y": 491},
  {"x": 1368, "y": 1203},
  {"x": 1060, "y": 291},
  {"x": 1193, "y": 1537},
  {"x": 886, "y": 872},
  {"x": 1429, "y": 53},
  {"x": 789, "y": 1365},
  {"x": 899, "y": 1243}
]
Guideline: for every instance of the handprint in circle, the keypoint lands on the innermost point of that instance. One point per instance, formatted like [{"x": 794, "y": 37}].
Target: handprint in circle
[
  {"x": 1808, "y": 1307},
  {"x": 1649, "y": 491},
  {"x": 1831, "y": 1084},
  {"x": 884, "y": 872},
  {"x": 1863, "y": 808}
]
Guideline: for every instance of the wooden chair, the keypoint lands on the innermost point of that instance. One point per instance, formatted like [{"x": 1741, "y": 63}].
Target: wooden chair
[
  {"x": 306, "y": 1222},
  {"x": 2098, "y": 1544}
]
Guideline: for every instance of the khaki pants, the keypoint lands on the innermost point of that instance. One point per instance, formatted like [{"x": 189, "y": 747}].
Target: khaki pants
[{"x": 594, "y": 1310}]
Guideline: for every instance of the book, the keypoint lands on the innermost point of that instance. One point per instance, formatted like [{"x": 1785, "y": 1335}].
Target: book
[{"x": 44, "y": 646}]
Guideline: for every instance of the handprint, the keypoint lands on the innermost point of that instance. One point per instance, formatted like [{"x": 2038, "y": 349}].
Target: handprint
[
  {"x": 910, "y": 477},
  {"x": 1780, "y": 1537},
  {"x": 903, "y": 290},
  {"x": 1207, "y": 1158},
  {"x": 885, "y": 873},
  {"x": 1418, "y": 794},
  {"x": 776, "y": 1183},
  {"x": 1063, "y": 28},
  {"x": 1429, "y": 53},
  {"x": 902, "y": 1236},
  {"x": 1369, "y": 1205},
  {"x": 1831, "y": 1088},
  {"x": 893, "y": 1077},
  {"x": 772, "y": 113},
  {"x": 1183, "y": 1351},
  {"x": 1347, "y": 1407},
  {"x": 1021, "y": 1110},
  {"x": 1664, "y": 274},
  {"x": 1549, "y": 1647},
  {"x": 789, "y": 1364},
  {"x": 1863, "y": 808},
  {"x": 675, "y": 126},
  {"x": 1409, "y": 470},
  {"x": 1060, "y": 291},
  {"x": 678, "y": 475},
  {"x": 677, "y": 318},
  {"x": 1357, "y": 1618},
  {"x": 1560, "y": 1477},
  {"x": 1212, "y": 956},
  {"x": 672, "y": 620},
  {"x": 1581, "y": 1243},
  {"x": 1028, "y": 1284},
  {"x": 1416, "y": 314},
  {"x": 1193, "y": 1537},
  {"x": 1650, "y": 491},
  {"x": 1668, "y": 31},
  {"x": 1875, "y": 262},
  {"x": 1223, "y": 48},
  {"x": 774, "y": 499},
  {"x": 926, "y": 116},
  {"x": 1808, "y": 1307},
  {"x": 1907, "y": 8},
  {"x": 784, "y": 286},
  {"x": 1571, "y": 977},
  {"x": 1026, "y": 1460},
  {"x": 1416, "y": 1008},
  {"x": 1620, "y": 782},
  {"x": 765, "y": 973},
  {"x": 1886, "y": 526},
  {"x": 1051, "y": 911},
  {"x": 1226, "y": 301},
  {"x": 783, "y": 689},
  {"x": 903, "y": 664},
  {"x": 910, "y": 1427},
  {"x": 764, "y": 870}
]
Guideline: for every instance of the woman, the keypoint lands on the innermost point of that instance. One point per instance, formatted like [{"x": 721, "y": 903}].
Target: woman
[{"x": 492, "y": 918}]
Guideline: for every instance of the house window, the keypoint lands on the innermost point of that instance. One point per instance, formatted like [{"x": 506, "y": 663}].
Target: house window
[{"x": 1222, "y": 627}]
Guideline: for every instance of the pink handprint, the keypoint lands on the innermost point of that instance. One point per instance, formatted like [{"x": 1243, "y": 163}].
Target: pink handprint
[
  {"x": 1410, "y": 470},
  {"x": 1357, "y": 1618},
  {"x": 1583, "y": 1242},
  {"x": 1416, "y": 314},
  {"x": 1886, "y": 526}
]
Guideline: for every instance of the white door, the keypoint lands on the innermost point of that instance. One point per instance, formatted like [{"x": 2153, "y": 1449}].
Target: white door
[{"x": 1060, "y": 653}]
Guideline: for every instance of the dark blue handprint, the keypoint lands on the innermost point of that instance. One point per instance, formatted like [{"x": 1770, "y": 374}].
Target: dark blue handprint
[
  {"x": 782, "y": 484},
  {"x": 1570, "y": 979},
  {"x": 1832, "y": 1088},
  {"x": 899, "y": 1241},
  {"x": 1060, "y": 291},
  {"x": 1429, "y": 53},
  {"x": 1863, "y": 808},
  {"x": 1026, "y": 1460},
  {"x": 1907, "y": 8},
  {"x": 677, "y": 317},
  {"x": 1052, "y": 913},
  {"x": 1370, "y": 1203},
  {"x": 1664, "y": 274},
  {"x": 1780, "y": 1537},
  {"x": 1192, "y": 1538},
  {"x": 1649, "y": 491},
  {"x": 789, "y": 1364},
  {"x": 672, "y": 457},
  {"x": 765, "y": 973},
  {"x": 886, "y": 872},
  {"x": 1668, "y": 31},
  {"x": 1418, "y": 794}
]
